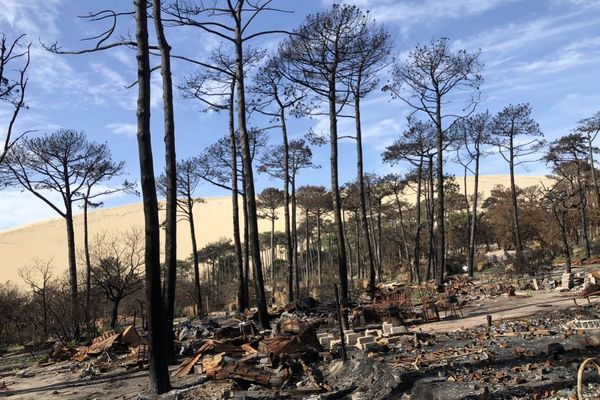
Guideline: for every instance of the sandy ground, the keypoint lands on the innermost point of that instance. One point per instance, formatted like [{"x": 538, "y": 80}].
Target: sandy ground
[
  {"x": 503, "y": 308},
  {"x": 47, "y": 239}
]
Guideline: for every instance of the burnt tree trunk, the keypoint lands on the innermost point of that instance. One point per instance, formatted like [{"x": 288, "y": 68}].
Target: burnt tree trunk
[
  {"x": 286, "y": 193},
  {"x": 115, "y": 313},
  {"x": 431, "y": 212},
  {"x": 515, "y": 206},
  {"x": 171, "y": 181},
  {"x": 560, "y": 218},
  {"x": 246, "y": 245},
  {"x": 295, "y": 241},
  {"x": 441, "y": 239},
  {"x": 335, "y": 190},
  {"x": 273, "y": 253},
  {"x": 158, "y": 372},
  {"x": 361, "y": 193},
  {"x": 237, "y": 241},
  {"x": 88, "y": 262},
  {"x": 72, "y": 268},
  {"x": 261, "y": 305},
  {"x": 473, "y": 228},
  {"x": 417, "y": 259},
  {"x": 197, "y": 290},
  {"x": 584, "y": 219}
]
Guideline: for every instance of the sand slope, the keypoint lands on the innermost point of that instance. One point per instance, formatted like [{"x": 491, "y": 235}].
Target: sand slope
[{"x": 47, "y": 239}]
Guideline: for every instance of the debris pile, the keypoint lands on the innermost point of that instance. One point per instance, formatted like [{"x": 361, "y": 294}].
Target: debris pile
[{"x": 262, "y": 360}]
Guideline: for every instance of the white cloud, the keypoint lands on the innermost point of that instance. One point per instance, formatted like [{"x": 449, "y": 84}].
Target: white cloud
[
  {"x": 122, "y": 128},
  {"x": 571, "y": 56},
  {"x": 517, "y": 36},
  {"x": 18, "y": 208},
  {"x": 412, "y": 13},
  {"x": 33, "y": 17}
]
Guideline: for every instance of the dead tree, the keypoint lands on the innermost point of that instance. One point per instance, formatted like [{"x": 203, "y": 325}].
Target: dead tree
[
  {"x": 300, "y": 157},
  {"x": 13, "y": 83},
  {"x": 38, "y": 276},
  {"x": 117, "y": 266},
  {"x": 568, "y": 157},
  {"x": 472, "y": 133},
  {"x": 188, "y": 180},
  {"x": 372, "y": 46},
  {"x": 269, "y": 200},
  {"x": 170, "y": 280},
  {"x": 432, "y": 77},
  {"x": 104, "y": 173},
  {"x": 416, "y": 145},
  {"x": 214, "y": 87},
  {"x": 61, "y": 164},
  {"x": 319, "y": 57},
  {"x": 234, "y": 20},
  {"x": 517, "y": 137},
  {"x": 590, "y": 127},
  {"x": 159, "y": 374},
  {"x": 277, "y": 97},
  {"x": 158, "y": 377}
]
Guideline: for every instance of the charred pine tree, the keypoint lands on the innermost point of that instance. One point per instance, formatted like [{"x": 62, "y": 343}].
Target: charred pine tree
[
  {"x": 472, "y": 133},
  {"x": 372, "y": 48},
  {"x": 433, "y": 76},
  {"x": 568, "y": 156},
  {"x": 59, "y": 163},
  {"x": 188, "y": 180},
  {"x": 170, "y": 181},
  {"x": 517, "y": 137},
  {"x": 237, "y": 17},
  {"x": 300, "y": 157},
  {"x": 276, "y": 97},
  {"x": 319, "y": 57},
  {"x": 214, "y": 85},
  {"x": 416, "y": 145}
]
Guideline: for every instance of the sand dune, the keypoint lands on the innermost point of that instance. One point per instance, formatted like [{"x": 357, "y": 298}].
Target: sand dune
[{"x": 47, "y": 239}]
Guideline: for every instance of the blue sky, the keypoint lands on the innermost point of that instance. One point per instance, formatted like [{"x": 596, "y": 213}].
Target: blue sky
[{"x": 546, "y": 52}]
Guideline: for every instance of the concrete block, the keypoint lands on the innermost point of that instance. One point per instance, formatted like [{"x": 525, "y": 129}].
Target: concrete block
[
  {"x": 367, "y": 346},
  {"x": 366, "y": 339},
  {"x": 398, "y": 330},
  {"x": 373, "y": 332},
  {"x": 567, "y": 280},
  {"x": 352, "y": 338},
  {"x": 325, "y": 341},
  {"x": 386, "y": 327},
  {"x": 334, "y": 343},
  {"x": 391, "y": 341}
]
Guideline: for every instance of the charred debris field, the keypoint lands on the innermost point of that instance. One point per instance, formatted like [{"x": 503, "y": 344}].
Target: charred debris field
[
  {"x": 490, "y": 338},
  {"x": 402, "y": 214}
]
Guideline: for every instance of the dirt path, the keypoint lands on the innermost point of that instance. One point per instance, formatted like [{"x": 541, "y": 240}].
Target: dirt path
[{"x": 502, "y": 308}]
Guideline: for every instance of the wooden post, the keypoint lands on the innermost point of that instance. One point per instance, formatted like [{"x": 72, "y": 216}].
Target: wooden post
[{"x": 339, "y": 314}]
